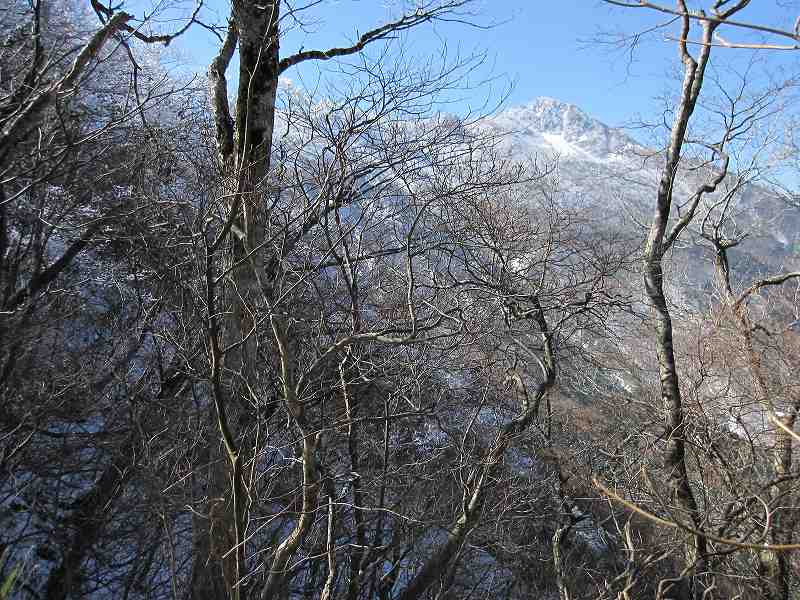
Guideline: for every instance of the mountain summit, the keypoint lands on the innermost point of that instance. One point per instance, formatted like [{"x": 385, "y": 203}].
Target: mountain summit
[{"x": 547, "y": 125}]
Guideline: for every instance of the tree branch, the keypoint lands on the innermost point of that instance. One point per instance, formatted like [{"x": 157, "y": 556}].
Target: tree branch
[
  {"x": 421, "y": 15},
  {"x": 718, "y": 19},
  {"x": 13, "y": 132},
  {"x": 775, "y": 280},
  {"x": 218, "y": 88},
  {"x": 105, "y": 12}
]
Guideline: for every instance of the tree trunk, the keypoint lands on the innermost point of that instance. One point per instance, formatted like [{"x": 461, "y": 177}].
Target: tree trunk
[
  {"x": 659, "y": 240},
  {"x": 244, "y": 146},
  {"x": 558, "y": 561}
]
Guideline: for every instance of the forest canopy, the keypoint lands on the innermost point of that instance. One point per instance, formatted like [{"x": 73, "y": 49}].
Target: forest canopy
[{"x": 347, "y": 341}]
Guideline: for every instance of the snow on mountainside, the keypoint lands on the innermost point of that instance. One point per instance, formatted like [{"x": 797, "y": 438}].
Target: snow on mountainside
[
  {"x": 600, "y": 168},
  {"x": 554, "y": 127},
  {"x": 605, "y": 171}
]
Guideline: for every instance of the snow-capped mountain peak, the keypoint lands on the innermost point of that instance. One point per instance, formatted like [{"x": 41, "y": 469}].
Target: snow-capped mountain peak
[
  {"x": 602, "y": 170},
  {"x": 548, "y": 115},
  {"x": 555, "y": 127}
]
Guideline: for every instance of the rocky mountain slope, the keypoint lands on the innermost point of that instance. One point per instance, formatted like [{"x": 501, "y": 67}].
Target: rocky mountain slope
[{"x": 604, "y": 170}]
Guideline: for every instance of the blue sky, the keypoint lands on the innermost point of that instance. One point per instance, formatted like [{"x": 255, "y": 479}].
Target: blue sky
[{"x": 543, "y": 47}]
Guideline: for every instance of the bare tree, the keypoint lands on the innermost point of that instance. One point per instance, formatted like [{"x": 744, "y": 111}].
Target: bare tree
[{"x": 668, "y": 224}]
